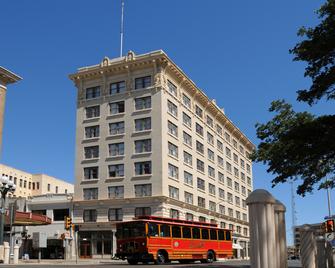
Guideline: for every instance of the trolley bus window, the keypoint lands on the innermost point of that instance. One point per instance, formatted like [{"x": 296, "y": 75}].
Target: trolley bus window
[
  {"x": 228, "y": 235},
  {"x": 176, "y": 232},
  {"x": 195, "y": 233},
  {"x": 204, "y": 234},
  {"x": 221, "y": 234},
  {"x": 165, "y": 230},
  {"x": 134, "y": 229},
  {"x": 152, "y": 229},
  {"x": 213, "y": 234},
  {"x": 186, "y": 232}
]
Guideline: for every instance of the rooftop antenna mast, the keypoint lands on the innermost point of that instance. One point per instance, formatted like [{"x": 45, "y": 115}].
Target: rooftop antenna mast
[{"x": 121, "y": 30}]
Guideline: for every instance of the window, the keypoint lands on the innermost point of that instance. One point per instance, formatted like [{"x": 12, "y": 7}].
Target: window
[
  {"x": 204, "y": 234},
  {"x": 172, "y": 129},
  {"x": 173, "y": 171},
  {"x": 202, "y": 219},
  {"x": 90, "y": 215},
  {"x": 188, "y": 198},
  {"x": 201, "y": 202},
  {"x": 221, "y": 194},
  {"x": 199, "y": 129},
  {"x": 92, "y": 132},
  {"x": 91, "y": 173},
  {"x": 172, "y": 108},
  {"x": 248, "y": 169},
  {"x": 164, "y": 230},
  {"x": 37, "y": 185},
  {"x": 24, "y": 184},
  {"x": 117, "y": 87},
  {"x": 242, "y": 163},
  {"x": 230, "y": 212},
  {"x": 143, "y": 168},
  {"x": 92, "y": 112},
  {"x": 228, "y": 167},
  {"x": 219, "y": 145},
  {"x": 227, "y": 137},
  {"x": 173, "y": 192},
  {"x": 229, "y": 182},
  {"x": 56, "y": 189},
  {"x": 210, "y": 138},
  {"x": 40, "y": 212},
  {"x": 201, "y": 184},
  {"x": 60, "y": 214},
  {"x": 200, "y": 147},
  {"x": 210, "y": 154},
  {"x": 235, "y": 157},
  {"x": 242, "y": 176},
  {"x": 200, "y": 165},
  {"x": 220, "y": 162},
  {"x": 143, "y": 82},
  {"x": 173, "y": 149},
  {"x": 196, "y": 231},
  {"x": 237, "y": 201},
  {"x": 187, "y": 158},
  {"x": 116, "y": 149},
  {"x": 211, "y": 172},
  {"x": 222, "y": 209},
  {"x": 189, "y": 217},
  {"x": 29, "y": 187},
  {"x": 116, "y": 170},
  {"x": 212, "y": 206},
  {"x": 221, "y": 177},
  {"x": 115, "y": 191},
  {"x": 117, "y": 107},
  {"x": 241, "y": 149},
  {"x": 21, "y": 183},
  {"x": 142, "y": 211},
  {"x": 91, "y": 152},
  {"x": 176, "y": 231},
  {"x": 143, "y": 146},
  {"x": 152, "y": 229},
  {"x": 245, "y": 231},
  {"x": 172, "y": 88},
  {"x": 230, "y": 197},
  {"x": 116, "y": 128},
  {"x": 198, "y": 111},
  {"x": 174, "y": 214},
  {"x": 236, "y": 186},
  {"x": 115, "y": 214},
  {"x": 244, "y": 216},
  {"x": 244, "y": 192},
  {"x": 187, "y": 139},
  {"x": 92, "y": 92},
  {"x": 219, "y": 129},
  {"x": 210, "y": 121},
  {"x": 234, "y": 143},
  {"x": 249, "y": 180},
  {"x": 187, "y": 101},
  {"x": 211, "y": 188},
  {"x": 90, "y": 193},
  {"x": 142, "y": 103},
  {"x": 223, "y": 226},
  {"x": 228, "y": 152},
  {"x": 142, "y": 190},
  {"x": 187, "y": 120},
  {"x": 238, "y": 215},
  {"x": 143, "y": 124},
  {"x": 236, "y": 173},
  {"x": 188, "y": 178},
  {"x": 244, "y": 203}
]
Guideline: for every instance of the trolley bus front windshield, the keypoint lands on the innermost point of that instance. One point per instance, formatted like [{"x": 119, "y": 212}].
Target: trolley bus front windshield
[{"x": 130, "y": 230}]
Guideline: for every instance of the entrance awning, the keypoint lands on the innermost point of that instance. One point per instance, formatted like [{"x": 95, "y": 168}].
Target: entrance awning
[
  {"x": 237, "y": 246},
  {"x": 28, "y": 219}
]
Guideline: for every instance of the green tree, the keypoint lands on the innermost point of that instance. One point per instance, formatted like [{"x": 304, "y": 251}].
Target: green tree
[{"x": 298, "y": 144}]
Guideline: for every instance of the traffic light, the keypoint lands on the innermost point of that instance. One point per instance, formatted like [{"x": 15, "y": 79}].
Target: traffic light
[
  {"x": 329, "y": 226},
  {"x": 67, "y": 223}
]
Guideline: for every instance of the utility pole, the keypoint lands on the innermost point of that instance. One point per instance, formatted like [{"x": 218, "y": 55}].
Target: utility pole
[{"x": 121, "y": 30}]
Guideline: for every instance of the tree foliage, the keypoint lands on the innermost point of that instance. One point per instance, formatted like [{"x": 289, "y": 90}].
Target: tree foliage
[{"x": 299, "y": 144}]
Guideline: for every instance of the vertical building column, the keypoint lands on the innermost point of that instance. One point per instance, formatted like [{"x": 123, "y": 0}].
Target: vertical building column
[
  {"x": 308, "y": 247},
  {"x": 2, "y": 111},
  {"x": 321, "y": 252},
  {"x": 280, "y": 235},
  {"x": 262, "y": 229}
]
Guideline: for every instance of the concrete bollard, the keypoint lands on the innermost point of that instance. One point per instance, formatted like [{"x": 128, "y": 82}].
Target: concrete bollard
[
  {"x": 308, "y": 247},
  {"x": 2, "y": 253},
  {"x": 16, "y": 254},
  {"x": 280, "y": 228},
  {"x": 6, "y": 252},
  {"x": 262, "y": 229}
]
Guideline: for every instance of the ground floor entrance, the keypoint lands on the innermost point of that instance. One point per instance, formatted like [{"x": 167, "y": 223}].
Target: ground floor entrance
[{"x": 95, "y": 244}]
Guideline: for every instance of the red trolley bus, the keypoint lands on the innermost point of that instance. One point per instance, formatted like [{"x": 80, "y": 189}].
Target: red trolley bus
[{"x": 161, "y": 240}]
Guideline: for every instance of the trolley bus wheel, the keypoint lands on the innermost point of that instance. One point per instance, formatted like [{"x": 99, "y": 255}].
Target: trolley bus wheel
[
  {"x": 210, "y": 257},
  {"x": 132, "y": 262},
  {"x": 162, "y": 257}
]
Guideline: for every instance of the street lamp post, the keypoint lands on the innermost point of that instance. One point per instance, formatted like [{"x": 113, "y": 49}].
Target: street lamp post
[{"x": 6, "y": 186}]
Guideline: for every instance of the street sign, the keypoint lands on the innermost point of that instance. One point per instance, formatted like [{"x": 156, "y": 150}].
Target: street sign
[{"x": 329, "y": 237}]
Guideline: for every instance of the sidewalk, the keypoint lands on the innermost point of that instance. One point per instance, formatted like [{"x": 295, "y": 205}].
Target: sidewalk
[{"x": 70, "y": 262}]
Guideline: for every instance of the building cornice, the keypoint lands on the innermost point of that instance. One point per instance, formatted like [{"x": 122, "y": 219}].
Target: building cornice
[{"x": 8, "y": 77}]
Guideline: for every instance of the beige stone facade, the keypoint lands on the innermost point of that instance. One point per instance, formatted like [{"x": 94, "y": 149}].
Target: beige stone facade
[
  {"x": 149, "y": 141},
  {"x": 28, "y": 184}
]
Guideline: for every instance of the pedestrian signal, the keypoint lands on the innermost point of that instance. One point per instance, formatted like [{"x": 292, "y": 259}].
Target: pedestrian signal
[{"x": 329, "y": 226}]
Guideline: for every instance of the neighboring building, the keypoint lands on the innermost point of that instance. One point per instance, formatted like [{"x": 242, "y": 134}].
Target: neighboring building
[
  {"x": 6, "y": 78},
  {"x": 149, "y": 141},
  {"x": 28, "y": 184},
  {"x": 317, "y": 229}
]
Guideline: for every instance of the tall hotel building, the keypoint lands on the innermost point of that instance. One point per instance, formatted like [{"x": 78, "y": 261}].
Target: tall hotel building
[{"x": 150, "y": 142}]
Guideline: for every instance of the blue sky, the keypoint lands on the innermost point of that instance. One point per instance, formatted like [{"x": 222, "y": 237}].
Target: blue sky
[{"x": 236, "y": 51}]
